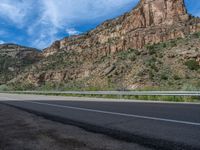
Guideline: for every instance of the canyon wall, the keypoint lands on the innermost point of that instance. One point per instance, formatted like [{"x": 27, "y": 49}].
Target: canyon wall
[{"x": 151, "y": 21}]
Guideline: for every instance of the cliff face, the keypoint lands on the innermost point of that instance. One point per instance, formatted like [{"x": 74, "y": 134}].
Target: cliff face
[
  {"x": 151, "y": 21},
  {"x": 14, "y": 58},
  {"x": 19, "y": 52},
  {"x": 167, "y": 12},
  {"x": 122, "y": 53}
]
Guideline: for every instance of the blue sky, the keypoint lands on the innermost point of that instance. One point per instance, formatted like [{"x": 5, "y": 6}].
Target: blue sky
[{"x": 37, "y": 23}]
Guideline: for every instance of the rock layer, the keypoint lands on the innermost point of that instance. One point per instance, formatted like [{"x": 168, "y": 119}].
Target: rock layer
[
  {"x": 151, "y": 21},
  {"x": 121, "y": 53},
  {"x": 19, "y": 52},
  {"x": 14, "y": 59}
]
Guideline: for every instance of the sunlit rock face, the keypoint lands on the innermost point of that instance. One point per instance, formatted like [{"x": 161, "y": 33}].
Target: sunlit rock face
[
  {"x": 167, "y": 12},
  {"x": 151, "y": 21},
  {"x": 116, "y": 51}
]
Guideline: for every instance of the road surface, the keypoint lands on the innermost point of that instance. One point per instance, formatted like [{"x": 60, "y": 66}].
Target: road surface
[{"x": 156, "y": 125}]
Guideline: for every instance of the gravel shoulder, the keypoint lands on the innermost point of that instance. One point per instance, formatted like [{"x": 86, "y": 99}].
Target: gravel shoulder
[{"x": 20, "y": 130}]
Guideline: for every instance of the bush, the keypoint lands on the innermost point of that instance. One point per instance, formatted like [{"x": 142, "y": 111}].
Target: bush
[
  {"x": 4, "y": 88},
  {"x": 155, "y": 48},
  {"x": 173, "y": 43},
  {"x": 151, "y": 75},
  {"x": 196, "y": 35},
  {"x": 132, "y": 57},
  {"x": 152, "y": 49},
  {"x": 192, "y": 64},
  {"x": 152, "y": 63},
  {"x": 129, "y": 54},
  {"x": 189, "y": 87},
  {"x": 176, "y": 77},
  {"x": 164, "y": 76}
]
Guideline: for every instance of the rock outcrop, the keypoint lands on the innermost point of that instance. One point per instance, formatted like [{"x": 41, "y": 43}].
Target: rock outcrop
[
  {"x": 14, "y": 59},
  {"x": 151, "y": 21},
  {"x": 19, "y": 52},
  {"x": 153, "y": 45}
]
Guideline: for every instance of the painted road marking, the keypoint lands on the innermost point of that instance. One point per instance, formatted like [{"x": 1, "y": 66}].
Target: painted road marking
[
  {"x": 119, "y": 114},
  {"x": 111, "y": 113}
]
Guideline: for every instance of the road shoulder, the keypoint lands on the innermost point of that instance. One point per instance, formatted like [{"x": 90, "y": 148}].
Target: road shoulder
[{"x": 28, "y": 131}]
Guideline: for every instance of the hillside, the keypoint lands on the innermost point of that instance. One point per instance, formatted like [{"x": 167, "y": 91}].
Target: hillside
[
  {"x": 14, "y": 59},
  {"x": 170, "y": 65},
  {"x": 156, "y": 45}
]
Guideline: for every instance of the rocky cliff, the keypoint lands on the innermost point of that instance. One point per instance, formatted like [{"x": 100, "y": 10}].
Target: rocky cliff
[
  {"x": 154, "y": 45},
  {"x": 150, "y": 22},
  {"x": 20, "y": 52},
  {"x": 14, "y": 58}
]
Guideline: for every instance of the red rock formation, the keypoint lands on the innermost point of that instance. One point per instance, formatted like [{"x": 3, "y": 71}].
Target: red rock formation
[{"x": 151, "y": 21}]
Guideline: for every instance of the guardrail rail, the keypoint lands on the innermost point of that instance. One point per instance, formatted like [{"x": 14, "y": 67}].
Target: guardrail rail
[{"x": 124, "y": 93}]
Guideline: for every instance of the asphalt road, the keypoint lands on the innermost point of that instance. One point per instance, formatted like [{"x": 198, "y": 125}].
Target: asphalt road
[{"x": 156, "y": 125}]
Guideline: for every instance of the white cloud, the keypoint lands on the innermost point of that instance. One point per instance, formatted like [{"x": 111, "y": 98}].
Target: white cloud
[
  {"x": 16, "y": 11},
  {"x": 11, "y": 12},
  {"x": 2, "y": 42},
  {"x": 59, "y": 15},
  {"x": 72, "y": 31},
  {"x": 67, "y": 11},
  {"x": 44, "y": 19},
  {"x": 44, "y": 37}
]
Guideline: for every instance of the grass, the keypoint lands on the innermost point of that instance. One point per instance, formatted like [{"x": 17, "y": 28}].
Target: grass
[{"x": 147, "y": 98}]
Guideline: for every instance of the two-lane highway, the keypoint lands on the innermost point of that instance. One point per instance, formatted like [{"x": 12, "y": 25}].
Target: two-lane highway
[{"x": 157, "y": 125}]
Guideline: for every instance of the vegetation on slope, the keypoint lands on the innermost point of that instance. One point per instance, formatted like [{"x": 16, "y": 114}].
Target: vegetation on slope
[
  {"x": 172, "y": 65},
  {"x": 14, "y": 59}
]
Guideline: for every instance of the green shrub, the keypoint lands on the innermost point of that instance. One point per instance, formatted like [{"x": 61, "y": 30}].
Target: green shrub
[
  {"x": 151, "y": 74},
  {"x": 154, "y": 48},
  {"x": 152, "y": 63},
  {"x": 164, "y": 76},
  {"x": 173, "y": 43},
  {"x": 176, "y": 77},
  {"x": 151, "y": 49},
  {"x": 21, "y": 86},
  {"x": 132, "y": 57},
  {"x": 128, "y": 55},
  {"x": 4, "y": 88},
  {"x": 196, "y": 35},
  {"x": 192, "y": 64},
  {"x": 189, "y": 87}
]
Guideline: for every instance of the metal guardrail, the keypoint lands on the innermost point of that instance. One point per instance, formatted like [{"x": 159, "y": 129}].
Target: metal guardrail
[{"x": 133, "y": 93}]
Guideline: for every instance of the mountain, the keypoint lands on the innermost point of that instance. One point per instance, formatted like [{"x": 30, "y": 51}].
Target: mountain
[
  {"x": 14, "y": 58},
  {"x": 152, "y": 21},
  {"x": 154, "y": 45}
]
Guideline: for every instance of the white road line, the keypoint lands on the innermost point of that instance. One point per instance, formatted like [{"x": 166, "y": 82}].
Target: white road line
[{"x": 119, "y": 114}]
